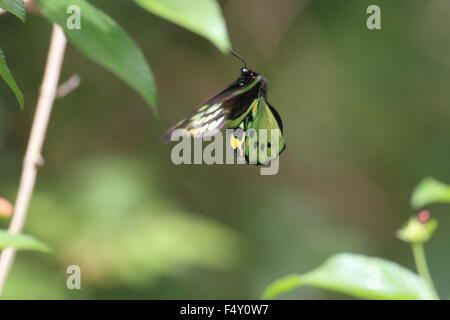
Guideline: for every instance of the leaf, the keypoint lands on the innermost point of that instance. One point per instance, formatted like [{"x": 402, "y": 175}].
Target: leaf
[
  {"x": 102, "y": 40},
  {"x": 21, "y": 242},
  {"x": 16, "y": 7},
  {"x": 7, "y": 76},
  {"x": 430, "y": 191},
  {"x": 203, "y": 17},
  {"x": 359, "y": 276},
  {"x": 283, "y": 285}
]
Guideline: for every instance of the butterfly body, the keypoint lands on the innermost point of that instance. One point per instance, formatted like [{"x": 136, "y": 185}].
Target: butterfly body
[{"x": 243, "y": 104}]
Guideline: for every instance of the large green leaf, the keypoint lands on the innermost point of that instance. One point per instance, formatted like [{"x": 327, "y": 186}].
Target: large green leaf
[
  {"x": 105, "y": 42},
  {"x": 21, "y": 242},
  {"x": 203, "y": 17},
  {"x": 430, "y": 191},
  {"x": 16, "y": 7},
  {"x": 359, "y": 276},
  {"x": 7, "y": 76}
]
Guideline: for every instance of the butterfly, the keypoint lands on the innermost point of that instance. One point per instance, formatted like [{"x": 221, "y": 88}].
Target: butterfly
[{"x": 242, "y": 105}]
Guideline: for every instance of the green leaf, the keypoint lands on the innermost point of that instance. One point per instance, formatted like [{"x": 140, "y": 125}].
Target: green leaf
[
  {"x": 430, "y": 191},
  {"x": 7, "y": 76},
  {"x": 359, "y": 276},
  {"x": 16, "y": 7},
  {"x": 283, "y": 285},
  {"x": 21, "y": 242},
  {"x": 203, "y": 17},
  {"x": 101, "y": 39}
]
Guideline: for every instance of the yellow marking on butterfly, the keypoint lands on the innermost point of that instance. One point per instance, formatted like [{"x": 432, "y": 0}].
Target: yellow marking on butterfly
[
  {"x": 255, "y": 106},
  {"x": 236, "y": 143}
]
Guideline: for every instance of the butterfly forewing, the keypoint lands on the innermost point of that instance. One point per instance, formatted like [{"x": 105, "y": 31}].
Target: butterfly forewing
[{"x": 223, "y": 110}]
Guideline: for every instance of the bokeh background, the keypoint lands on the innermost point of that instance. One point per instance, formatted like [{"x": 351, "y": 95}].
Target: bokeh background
[{"x": 366, "y": 117}]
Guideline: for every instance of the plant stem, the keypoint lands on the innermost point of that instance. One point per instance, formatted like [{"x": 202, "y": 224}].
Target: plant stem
[
  {"x": 422, "y": 266},
  {"x": 33, "y": 158}
]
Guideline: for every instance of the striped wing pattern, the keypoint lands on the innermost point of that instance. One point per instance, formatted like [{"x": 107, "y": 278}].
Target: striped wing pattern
[{"x": 223, "y": 110}]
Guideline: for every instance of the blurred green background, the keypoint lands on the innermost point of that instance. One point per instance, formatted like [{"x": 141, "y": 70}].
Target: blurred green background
[{"x": 366, "y": 117}]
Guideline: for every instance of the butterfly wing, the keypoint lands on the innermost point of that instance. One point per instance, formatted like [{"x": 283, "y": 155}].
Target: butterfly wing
[
  {"x": 227, "y": 108},
  {"x": 263, "y": 146}
]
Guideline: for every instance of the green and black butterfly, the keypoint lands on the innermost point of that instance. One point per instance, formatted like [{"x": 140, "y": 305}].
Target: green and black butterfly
[{"x": 243, "y": 105}]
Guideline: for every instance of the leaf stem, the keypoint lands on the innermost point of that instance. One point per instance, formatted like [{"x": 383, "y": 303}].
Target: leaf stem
[
  {"x": 422, "y": 266},
  {"x": 33, "y": 158}
]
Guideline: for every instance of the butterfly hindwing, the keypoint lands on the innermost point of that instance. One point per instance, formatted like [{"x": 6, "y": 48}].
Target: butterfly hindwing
[{"x": 264, "y": 140}]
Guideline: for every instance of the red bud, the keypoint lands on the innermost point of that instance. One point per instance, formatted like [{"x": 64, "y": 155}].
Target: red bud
[
  {"x": 6, "y": 208},
  {"x": 424, "y": 216}
]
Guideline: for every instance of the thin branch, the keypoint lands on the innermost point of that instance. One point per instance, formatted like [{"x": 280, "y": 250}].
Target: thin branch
[
  {"x": 68, "y": 86},
  {"x": 33, "y": 158}
]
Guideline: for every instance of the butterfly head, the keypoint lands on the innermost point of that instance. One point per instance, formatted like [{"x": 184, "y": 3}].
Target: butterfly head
[{"x": 248, "y": 75}]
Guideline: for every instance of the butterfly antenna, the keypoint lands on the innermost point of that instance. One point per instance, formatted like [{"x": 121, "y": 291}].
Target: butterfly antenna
[{"x": 239, "y": 57}]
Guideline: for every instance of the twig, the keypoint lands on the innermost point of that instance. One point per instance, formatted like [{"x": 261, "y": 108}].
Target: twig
[
  {"x": 68, "y": 86},
  {"x": 33, "y": 156}
]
